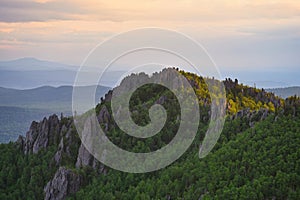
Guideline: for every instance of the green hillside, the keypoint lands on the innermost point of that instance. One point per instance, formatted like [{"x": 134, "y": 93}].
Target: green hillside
[{"x": 256, "y": 157}]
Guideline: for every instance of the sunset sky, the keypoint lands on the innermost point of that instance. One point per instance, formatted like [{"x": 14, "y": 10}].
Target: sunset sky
[{"x": 239, "y": 35}]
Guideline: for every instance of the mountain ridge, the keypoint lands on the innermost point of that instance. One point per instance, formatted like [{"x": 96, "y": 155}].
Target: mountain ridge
[
  {"x": 31, "y": 63},
  {"x": 35, "y": 103},
  {"x": 229, "y": 171},
  {"x": 286, "y": 91}
]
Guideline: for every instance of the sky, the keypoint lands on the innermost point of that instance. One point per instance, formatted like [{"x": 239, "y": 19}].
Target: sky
[{"x": 240, "y": 35}]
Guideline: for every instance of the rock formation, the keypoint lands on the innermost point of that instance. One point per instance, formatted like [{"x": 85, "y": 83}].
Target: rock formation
[{"x": 64, "y": 183}]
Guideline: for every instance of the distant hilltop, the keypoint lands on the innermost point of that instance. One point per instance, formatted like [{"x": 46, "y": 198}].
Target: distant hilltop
[
  {"x": 32, "y": 64},
  {"x": 25, "y": 73},
  {"x": 286, "y": 92}
]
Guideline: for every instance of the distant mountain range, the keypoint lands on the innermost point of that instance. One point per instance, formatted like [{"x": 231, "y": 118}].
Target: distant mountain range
[
  {"x": 18, "y": 108},
  {"x": 33, "y": 64},
  {"x": 30, "y": 72},
  {"x": 286, "y": 92},
  {"x": 27, "y": 73},
  {"x": 46, "y": 97},
  {"x": 265, "y": 78}
]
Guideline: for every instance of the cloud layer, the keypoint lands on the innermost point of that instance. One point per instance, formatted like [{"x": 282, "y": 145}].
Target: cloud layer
[{"x": 238, "y": 34}]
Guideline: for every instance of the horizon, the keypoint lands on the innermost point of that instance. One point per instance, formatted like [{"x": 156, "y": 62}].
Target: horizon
[
  {"x": 257, "y": 42},
  {"x": 278, "y": 78}
]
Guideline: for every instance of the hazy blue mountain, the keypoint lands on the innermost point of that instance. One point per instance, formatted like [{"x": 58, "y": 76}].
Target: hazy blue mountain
[
  {"x": 286, "y": 92},
  {"x": 27, "y": 73},
  {"x": 47, "y": 97},
  {"x": 31, "y": 64},
  {"x": 33, "y": 79},
  {"x": 18, "y": 108},
  {"x": 265, "y": 79}
]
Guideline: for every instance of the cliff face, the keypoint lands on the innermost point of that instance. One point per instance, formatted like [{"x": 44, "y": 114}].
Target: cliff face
[
  {"x": 41, "y": 135},
  {"x": 70, "y": 151},
  {"x": 64, "y": 183}
]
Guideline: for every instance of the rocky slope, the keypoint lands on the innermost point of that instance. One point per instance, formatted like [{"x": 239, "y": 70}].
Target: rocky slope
[
  {"x": 71, "y": 155},
  {"x": 60, "y": 132},
  {"x": 70, "y": 151}
]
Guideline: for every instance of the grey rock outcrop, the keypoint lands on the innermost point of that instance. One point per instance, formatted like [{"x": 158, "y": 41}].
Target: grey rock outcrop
[
  {"x": 64, "y": 183},
  {"x": 252, "y": 116},
  {"x": 256, "y": 115},
  {"x": 30, "y": 137},
  {"x": 46, "y": 133},
  {"x": 41, "y": 135},
  {"x": 68, "y": 141},
  {"x": 59, "y": 154},
  {"x": 86, "y": 159},
  {"x": 104, "y": 117},
  {"x": 69, "y": 149}
]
